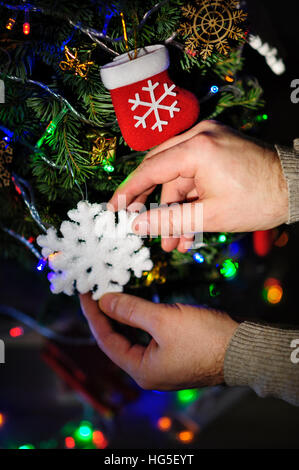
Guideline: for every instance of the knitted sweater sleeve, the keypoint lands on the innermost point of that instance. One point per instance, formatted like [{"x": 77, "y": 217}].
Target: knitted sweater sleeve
[
  {"x": 266, "y": 359},
  {"x": 263, "y": 357},
  {"x": 289, "y": 158}
]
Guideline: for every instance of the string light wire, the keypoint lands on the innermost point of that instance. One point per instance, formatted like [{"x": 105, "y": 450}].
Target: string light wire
[
  {"x": 43, "y": 330},
  {"x": 91, "y": 32}
]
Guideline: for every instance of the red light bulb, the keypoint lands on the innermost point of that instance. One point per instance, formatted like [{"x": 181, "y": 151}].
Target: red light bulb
[
  {"x": 70, "y": 442},
  {"x": 16, "y": 332},
  {"x": 26, "y": 28}
]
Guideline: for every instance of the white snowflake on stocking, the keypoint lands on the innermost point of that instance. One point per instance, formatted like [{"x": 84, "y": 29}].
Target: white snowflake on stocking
[
  {"x": 154, "y": 105},
  {"x": 94, "y": 253}
]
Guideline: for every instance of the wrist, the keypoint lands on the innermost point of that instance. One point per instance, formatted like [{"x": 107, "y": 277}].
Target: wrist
[
  {"x": 226, "y": 339},
  {"x": 226, "y": 331}
]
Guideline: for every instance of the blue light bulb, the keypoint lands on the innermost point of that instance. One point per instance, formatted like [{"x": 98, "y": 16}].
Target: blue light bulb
[
  {"x": 41, "y": 264},
  {"x": 199, "y": 258},
  {"x": 214, "y": 89}
]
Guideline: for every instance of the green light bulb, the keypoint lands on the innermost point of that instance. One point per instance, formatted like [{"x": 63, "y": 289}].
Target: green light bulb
[
  {"x": 187, "y": 396},
  {"x": 84, "y": 431},
  {"x": 229, "y": 269},
  {"x": 222, "y": 238},
  {"x": 27, "y": 446},
  {"x": 213, "y": 290},
  {"x": 108, "y": 168},
  {"x": 51, "y": 127}
]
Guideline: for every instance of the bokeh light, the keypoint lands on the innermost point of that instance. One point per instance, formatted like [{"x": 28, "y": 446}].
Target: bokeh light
[
  {"x": 229, "y": 269},
  {"x": 16, "y": 332},
  {"x": 274, "y": 294},
  {"x": 99, "y": 439},
  {"x": 214, "y": 89},
  {"x": 199, "y": 258},
  {"x": 222, "y": 238},
  {"x": 84, "y": 431},
  {"x": 69, "y": 442},
  {"x": 272, "y": 291},
  {"x": 185, "y": 436},
  {"x": 187, "y": 396},
  {"x": 282, "y": 240},
  {"x": 164, "y": 423},
  {"x": 26, "y": 28}
]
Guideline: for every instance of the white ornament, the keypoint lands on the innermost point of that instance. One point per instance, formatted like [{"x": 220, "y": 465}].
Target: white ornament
[
  {"x": 94, "y": 253},
  {"x": 277, "y": 65},
  {"x": 154, "y": 105}
]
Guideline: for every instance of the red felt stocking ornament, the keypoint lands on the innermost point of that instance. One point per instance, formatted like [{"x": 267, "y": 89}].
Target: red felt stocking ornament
[{"x": 149, "y": 107}]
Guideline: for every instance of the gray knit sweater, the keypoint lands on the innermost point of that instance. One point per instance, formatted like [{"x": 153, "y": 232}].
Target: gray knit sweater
[{"x": 264, "y": 357}]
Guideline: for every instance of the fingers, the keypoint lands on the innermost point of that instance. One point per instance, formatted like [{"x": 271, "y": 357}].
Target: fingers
[
  {"x": 114, "y": 345},
  {"x": 169, "y": 244},
  {"x": 133, "y": 311},
  {"x": 97, "y": 321},
  {"x": 156, "y": 150},
  {"x": 176, "y": 191},
  {"x": 141, "y": 180},
  {"x": 159, "y": 169},
  {"x": 138, "y": 203},
  {"x": 182, "y": 244},
  {"x": 185, "y": 243},
  {"x": 181, "y": 221},
  {"x": 170, "y": 193}
]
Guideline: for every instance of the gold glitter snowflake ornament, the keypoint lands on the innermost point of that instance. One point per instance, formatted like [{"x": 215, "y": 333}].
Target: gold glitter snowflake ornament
[{"x": 211, "y": 24}]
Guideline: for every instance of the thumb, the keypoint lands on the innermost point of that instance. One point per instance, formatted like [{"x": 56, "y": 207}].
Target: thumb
[
  {"x": 173, "y": 220},
  {"x": 133, "y": 311}
]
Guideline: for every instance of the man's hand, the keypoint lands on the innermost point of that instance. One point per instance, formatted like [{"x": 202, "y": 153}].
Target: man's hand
[
  {"x": 187, "y": 348},
  {"x": 239, "y": 182}
]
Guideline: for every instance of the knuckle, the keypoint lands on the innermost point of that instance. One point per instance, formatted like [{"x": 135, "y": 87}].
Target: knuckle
[
  {"x": 178, "y": 306},
  {"x": 162, "y": 322},
  {"x": 171, "y": 220},
  {"x": 118, "y": 303},
  {"x": 204, "y": 143},
  {"x": 205, "y": 138},
  {"x": 158, "y": 321},
  {"x": 142, "y": 166},
  {"x": 213, "y": 123},
  {"x": 131, "y": 310}
]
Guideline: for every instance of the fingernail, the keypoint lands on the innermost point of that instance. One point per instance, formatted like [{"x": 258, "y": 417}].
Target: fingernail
[
  {"x": 141, "y": 228},
  {"x": 107, "y": 302}
]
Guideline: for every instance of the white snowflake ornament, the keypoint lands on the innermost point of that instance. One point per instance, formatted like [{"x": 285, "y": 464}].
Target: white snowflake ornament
[
  {"x": 95, "y": 253},
  {"x": 154, "y": 105}
]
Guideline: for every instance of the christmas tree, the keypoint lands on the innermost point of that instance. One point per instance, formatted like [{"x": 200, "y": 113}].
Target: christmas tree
[{"x": 62, "y": 139}]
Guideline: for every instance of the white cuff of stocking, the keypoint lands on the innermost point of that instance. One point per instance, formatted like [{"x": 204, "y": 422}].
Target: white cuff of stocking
[{"x": 122, "y": 71}]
